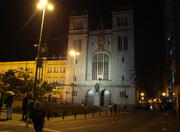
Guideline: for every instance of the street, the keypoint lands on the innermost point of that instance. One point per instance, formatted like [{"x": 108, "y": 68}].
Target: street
[{"x": 131, "y": 122}]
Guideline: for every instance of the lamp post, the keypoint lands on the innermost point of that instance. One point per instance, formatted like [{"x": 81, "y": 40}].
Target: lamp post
[
  {"x": 142, "y": 98},
  {"x": 43, "y": 5},
  {"x": 74, "y": 54}
]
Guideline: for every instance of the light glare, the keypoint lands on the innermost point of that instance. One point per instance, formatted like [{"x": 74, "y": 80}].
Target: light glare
[
  {"x": 77, "y": 53},
  {"x": 142, "y": 94},
  {"x": 43, "y": 2},
  {"x": 50, "y": 7},
  {"x": 74, "y": 53},
  {"x": 163, "y": 94},
  {"x": 39, "y": 6}
]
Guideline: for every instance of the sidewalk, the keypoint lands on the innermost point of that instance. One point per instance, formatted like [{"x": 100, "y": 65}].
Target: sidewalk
[
  {"x": 170, "y": 123},
  {"x": 15, "y": 125}
]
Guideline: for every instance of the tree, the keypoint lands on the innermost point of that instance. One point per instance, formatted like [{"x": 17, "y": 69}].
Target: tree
[
  {"x": 22, "y": 84},
  {"x": 44, "y": 88},
  {"x": 10, "y": 81},
  {"x": 27, "y": 84}
]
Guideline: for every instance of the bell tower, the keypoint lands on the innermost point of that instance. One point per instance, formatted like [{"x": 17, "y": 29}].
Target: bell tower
[{"x": 77, "y": 41}]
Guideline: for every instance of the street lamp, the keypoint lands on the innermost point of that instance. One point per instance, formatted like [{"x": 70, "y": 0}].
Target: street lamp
[
  {"x": 43, "y": 5},
  {"x": 142, "y": 98},
  {"x": 142, "y": 94},
  {"x": 163, "y": 94},
  {"x": 74, "y": 54}
]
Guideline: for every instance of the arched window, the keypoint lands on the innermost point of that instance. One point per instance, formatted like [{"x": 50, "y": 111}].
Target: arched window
[{"x": 100, "y": 66}]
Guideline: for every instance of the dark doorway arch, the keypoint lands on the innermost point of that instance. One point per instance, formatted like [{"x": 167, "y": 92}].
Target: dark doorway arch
[{"x": 105, "y": 97}]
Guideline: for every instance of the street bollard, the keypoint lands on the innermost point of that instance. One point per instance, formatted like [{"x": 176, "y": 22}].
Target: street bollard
[
  {"x": 84, "y": 114},
  {"x": 75, "y": 114},
  {"x": 63, "y": 114},
  {"x": 106, "y": 112},
  {"x": 93, "y": 113}
]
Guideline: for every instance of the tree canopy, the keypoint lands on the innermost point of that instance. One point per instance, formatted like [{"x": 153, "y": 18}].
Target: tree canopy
[{"x": 22, "y": 84}]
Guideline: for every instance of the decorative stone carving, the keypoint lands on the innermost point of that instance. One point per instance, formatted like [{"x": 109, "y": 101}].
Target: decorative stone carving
[{"x": 97, "y": 87}]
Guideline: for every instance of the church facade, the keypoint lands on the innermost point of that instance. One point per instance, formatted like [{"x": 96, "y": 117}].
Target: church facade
[{"x": 103, "y": 71}]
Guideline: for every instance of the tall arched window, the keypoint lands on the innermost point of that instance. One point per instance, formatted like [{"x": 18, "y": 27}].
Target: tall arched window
[{"x": 100, "y": 66}]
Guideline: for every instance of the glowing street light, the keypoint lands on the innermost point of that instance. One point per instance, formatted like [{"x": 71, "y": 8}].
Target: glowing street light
[
  {"x": 173, "y": 94},
  {"x": 142, "y": 98},
  {"x": 163, "y": 94},
  {"x": 50, "y": 7},
  {"x": 74, "y": 54},
  {"x": 142, "y": 94},
  {"x": 43, "y": 4}
]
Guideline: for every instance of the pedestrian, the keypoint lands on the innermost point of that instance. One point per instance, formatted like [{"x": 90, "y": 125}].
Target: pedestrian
[
  {"x": 9, "y": 102},
  {"x": 25, "y": 108},
  {"x": 31, "y": 106},
  {"x": 110, "y": 108},
  {"x": 38, "y": 118}
]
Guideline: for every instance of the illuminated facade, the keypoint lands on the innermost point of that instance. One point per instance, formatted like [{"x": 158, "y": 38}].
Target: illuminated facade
[
  {"x": 53, "y": 72},
  {"x": 105, "y": 69},
  {"x": 103, "y": 73}
]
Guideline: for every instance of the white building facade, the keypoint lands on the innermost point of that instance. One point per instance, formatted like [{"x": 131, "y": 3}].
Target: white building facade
[{"x": 104, "y": 71}]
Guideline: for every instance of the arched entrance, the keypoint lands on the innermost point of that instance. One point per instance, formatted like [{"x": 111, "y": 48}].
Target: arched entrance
[
  {"x": 105, "y": 97},
  {"x": 90, "y": 97}
]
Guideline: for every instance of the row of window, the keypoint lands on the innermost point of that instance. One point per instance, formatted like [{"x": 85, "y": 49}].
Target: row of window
[
  {"x": 122, "y": 94},
  {"x": 27, "y": 70},
  {"x": 74, "y": 93},
  {"x": 122, "y": 43},
  {"x": 77, "y": 25},
  {"x": 78, "y": 44},
  {"x": 56, "y": 70},
  {"x": 60, "y": 82},
  {"x": 107, "y": 45},
  {"x": 100, "y": 67},
  {"x": 122, "y": 20}
]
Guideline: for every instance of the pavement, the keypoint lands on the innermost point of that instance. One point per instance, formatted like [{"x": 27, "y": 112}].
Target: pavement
[
  {"x": 16, "y": 125},
  {"x": 130, "y": 122}
]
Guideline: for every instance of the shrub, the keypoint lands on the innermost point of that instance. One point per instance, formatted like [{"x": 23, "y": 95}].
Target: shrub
[{"x": 57, "y": 110}]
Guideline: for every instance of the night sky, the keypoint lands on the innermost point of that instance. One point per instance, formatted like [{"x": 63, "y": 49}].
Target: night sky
[{"x": 20, "y": 26}]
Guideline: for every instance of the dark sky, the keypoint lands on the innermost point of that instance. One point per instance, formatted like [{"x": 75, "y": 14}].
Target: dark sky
[{"x": 20, "y": 25}]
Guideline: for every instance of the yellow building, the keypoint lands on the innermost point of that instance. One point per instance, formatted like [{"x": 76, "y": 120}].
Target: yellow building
[
  {"x": 53, "y": 72},
  {"x": 26, "y": 66}
]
